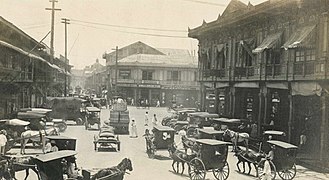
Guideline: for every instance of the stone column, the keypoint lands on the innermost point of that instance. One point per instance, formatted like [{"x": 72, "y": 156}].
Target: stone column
[
  {"x": 291, "y": 117},
  {"x": 260, "y": 110},
  {"x": 323, "y": 129}
]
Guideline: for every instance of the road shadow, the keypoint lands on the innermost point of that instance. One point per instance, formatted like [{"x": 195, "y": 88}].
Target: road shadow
[
  {"x": 182, "y": 175},
  {"x": 250, "y": 175},
  {"x": 161, "y": 157}
]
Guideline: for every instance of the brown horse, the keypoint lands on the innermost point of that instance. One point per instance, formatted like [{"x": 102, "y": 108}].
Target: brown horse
[
  {"x": 179, "y": 157},
  {"x": 115, "y": 172}
]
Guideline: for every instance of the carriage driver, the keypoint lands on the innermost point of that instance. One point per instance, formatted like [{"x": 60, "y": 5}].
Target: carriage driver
[{"x": 149, "y": 138}]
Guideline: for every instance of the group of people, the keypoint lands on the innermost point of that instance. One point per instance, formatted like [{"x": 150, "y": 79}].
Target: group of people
[{"x": 133, "y": 126}]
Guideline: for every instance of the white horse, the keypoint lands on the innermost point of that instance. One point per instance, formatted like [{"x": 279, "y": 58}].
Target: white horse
[
  {"x": 237, "y": 137},
  {"x": 36, "y": 136}
]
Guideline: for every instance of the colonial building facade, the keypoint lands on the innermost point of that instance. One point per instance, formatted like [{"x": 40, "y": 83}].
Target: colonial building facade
[
  {"x": 26, "y": 74},
  {"x": 144, "y": 72},
  {"x": 269, "y": 63}
]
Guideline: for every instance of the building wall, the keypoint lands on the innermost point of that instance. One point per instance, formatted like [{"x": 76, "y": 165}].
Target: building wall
[{"x": 271, "y": 84}]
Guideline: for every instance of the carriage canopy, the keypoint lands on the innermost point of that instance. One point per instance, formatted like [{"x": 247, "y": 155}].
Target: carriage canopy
[
  {"x": 93, "y": 109},
  {"x": 14, "y": 122},
  {"x": 55, "y": 155},
  {"x": 282, "y": 144}
]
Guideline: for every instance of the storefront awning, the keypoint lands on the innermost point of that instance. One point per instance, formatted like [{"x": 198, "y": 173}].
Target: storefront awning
[
  {"x": 246, "y": 85},
  {"x": 268, "y": 42},
  {"x": 222, "y": 84},
  {"x": 305, "y": 88},
  {"x": 208, "y": 84},
  {"x": 299, "y": 37},
  {"x": 277, "y": 85}
]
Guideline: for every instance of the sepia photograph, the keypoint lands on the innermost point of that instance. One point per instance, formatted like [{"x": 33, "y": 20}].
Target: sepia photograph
[{"x": 164, "y": 89}]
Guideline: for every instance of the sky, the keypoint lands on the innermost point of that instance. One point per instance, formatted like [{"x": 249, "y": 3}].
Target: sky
[{"x": 98, "y": 26}]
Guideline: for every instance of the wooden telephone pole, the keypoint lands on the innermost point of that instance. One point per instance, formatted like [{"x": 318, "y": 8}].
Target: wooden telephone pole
[
  {"x": 66, "y": 22},
  {"x": 52, "y": 9}
]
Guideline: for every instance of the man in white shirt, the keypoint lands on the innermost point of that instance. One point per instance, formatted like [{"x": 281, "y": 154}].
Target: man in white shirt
[
  {"x": 146, "y": 119},
  {"x": 3, "y": 141}
]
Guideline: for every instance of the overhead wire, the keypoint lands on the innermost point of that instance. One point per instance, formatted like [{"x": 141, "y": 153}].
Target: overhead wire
[
  {"x": 130, "y": 27},
  {"x": 129, "y": 32}
]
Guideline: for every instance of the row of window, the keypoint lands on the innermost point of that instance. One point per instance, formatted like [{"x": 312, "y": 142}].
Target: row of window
[{"x": 149, "y": 75}]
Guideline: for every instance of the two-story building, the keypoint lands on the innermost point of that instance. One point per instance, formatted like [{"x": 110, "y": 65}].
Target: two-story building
[
  {"x": 26, "y": 75},
  {"x": 269, "y": 63},
  {"x": 144, "y": 72}
]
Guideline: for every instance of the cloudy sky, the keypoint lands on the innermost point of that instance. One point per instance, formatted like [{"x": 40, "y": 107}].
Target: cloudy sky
[{"x": 97, "y": 26}]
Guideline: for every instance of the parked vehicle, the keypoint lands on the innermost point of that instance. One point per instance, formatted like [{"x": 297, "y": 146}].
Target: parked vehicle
[
  {"x": 211, "y": 156},
  {"x": 119, "y": 116},
  {"x": 92, "y": 117},
  {"x": 106, "y": 140}
]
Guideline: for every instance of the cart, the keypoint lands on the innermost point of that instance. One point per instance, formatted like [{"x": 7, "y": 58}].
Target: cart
[
  {"x": 106, "y": 140},
  {"x": 212, "y": 156},
  {"x": 50, "y": 165},
  {"x": 161, "y": 138},
  {"x": 59, "y": 123},
  {"x": 233, "y": 124},
  {"x": 14, "y": 128},
  {"x": 180, "y": 115},
  {"x": 283, "y": 162},
  {"x": 210, "y": 134},
  {"x": 199, "y": 120},
  {"x": 92, "y": 117}
]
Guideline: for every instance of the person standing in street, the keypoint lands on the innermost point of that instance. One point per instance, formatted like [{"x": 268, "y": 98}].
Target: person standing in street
[
  {"x": 146, "y": 118},
  {"x": 155, "y": 120},
  {"x": 3, "y": 141},
  {"x": 158, "y": 104},
  {"x": 132, "y": 102},
  {"x": 133, "y": 129}
]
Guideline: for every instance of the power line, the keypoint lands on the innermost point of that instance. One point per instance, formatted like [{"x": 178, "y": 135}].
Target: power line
[
  {"x": 130, "y": 27},
  {"x": 128, "y": 32},
  {"x": 208, "y": 3}
]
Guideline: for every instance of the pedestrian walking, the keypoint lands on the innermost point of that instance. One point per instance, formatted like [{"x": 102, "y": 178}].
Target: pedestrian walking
[
  {"x": 3, "y": 141},
  {"x": 132, "y": 102},
  {"x": 147, "y": 104},
  {"x": 146, "y": 118},
  {"x": 155, "y": 120},
  {"x": 158, "y": 104},
  {"x": 133, "y": 129}
]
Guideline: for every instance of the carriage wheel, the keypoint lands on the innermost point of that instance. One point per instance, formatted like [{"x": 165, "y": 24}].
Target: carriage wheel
[
  {"x": 222, "y": 173},
  {"x": 287, "y": 174},
  {"x": 79, "y": 121},
  {"x": 197, "y": 169},
  {"x": 260, "y": 170}
]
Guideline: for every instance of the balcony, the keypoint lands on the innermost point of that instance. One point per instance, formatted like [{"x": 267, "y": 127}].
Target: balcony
[
  {"x": 125, "y": 80},
  {"x": 273, "y": 70},
  {"x": 183, "y": 83},
  {"x": 150, "y": 82}
]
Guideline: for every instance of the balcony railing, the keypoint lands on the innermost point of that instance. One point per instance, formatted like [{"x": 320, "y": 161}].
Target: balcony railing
[
  {"x": 214, "y": 72},
  {"x": 188, "y": 83}
]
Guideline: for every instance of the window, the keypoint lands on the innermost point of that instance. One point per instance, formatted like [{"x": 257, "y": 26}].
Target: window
[
  {"x": 124, "y": 73},
  {"x": 305, "y": 55},
  {"x": 147, "y": 75},
  {"x": 174, "y": 76}
]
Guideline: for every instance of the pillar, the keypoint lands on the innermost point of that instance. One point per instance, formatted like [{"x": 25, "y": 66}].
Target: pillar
[
  {"x": 150, "y": 96},
  {"x": 232, "y": 102},
  {"x": 135, "y": 95},
  {"x": 291, "y": 117},
  {"x": 323, "y": 129},
  {"x": 260, "y": 109},
  {"x": 216, "y": 100}
]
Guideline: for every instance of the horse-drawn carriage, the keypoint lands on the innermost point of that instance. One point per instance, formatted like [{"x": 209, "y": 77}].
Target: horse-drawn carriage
[
  {"x": 46, "y": 113},
  {"x": 106, "y": 140},
  {"x": 14, "y": 128},
  {"x": 161, "y": 138},
  {"x": 199, "y": 120},
  {"x": 63, "y": 142},
  {"x": 211, "y": 156},
  {"x": 92, "y": 117},
  {"x": 176, "y": 116},
  {"x": 283, "y": 161}
]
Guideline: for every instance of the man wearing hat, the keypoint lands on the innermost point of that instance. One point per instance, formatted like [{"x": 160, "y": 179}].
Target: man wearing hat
[{"x": 53, "y": 148}]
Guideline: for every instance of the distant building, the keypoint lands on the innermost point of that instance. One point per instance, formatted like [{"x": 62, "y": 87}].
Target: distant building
[
  {"x": 269, "y": 63},
  {"x": 144, "y": 72},
  {"x": 95, "y": 78}
]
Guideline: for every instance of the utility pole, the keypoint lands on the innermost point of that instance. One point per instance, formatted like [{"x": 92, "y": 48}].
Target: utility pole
[
  {"x": 52, "y": 9},
  {"x": 116, "y": 70},
  {"x": 66, "y": 22}
]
